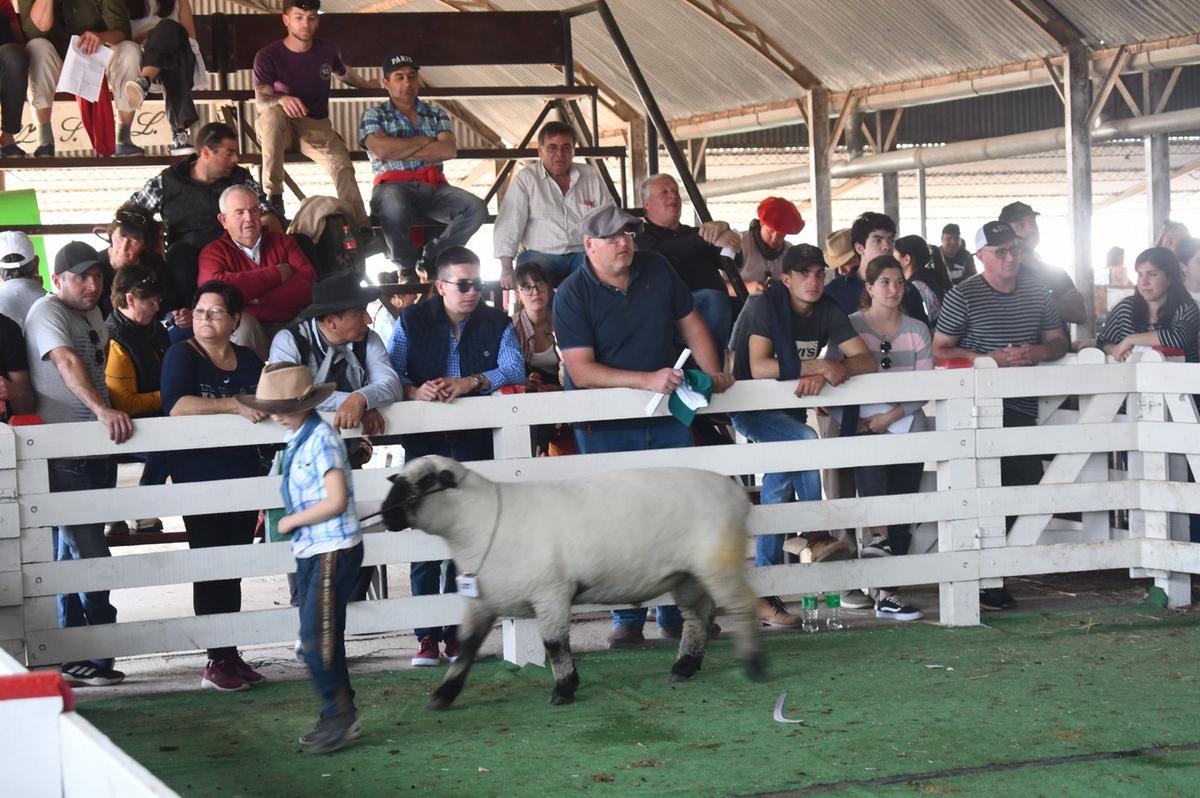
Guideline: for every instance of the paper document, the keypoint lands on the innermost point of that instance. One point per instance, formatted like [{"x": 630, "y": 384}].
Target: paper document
[
  {"x": 82, "y": 74},
  {"x": 656, "y": 400},
  {"x": 902, "y": 424}
]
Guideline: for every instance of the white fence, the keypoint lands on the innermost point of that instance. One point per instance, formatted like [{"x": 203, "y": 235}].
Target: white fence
[{"x": 1143, "y": 408}]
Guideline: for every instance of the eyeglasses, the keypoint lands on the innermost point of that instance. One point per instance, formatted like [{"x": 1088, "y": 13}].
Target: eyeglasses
[
  {"x": 213, "y": 314},
  {"x": 625, "y": 235},
  {"x": 885, "y": 362},
  {"x": 97, "y": 350},
  {"x": 466, "y": 286},
  {"x": 530, "y": 290}
]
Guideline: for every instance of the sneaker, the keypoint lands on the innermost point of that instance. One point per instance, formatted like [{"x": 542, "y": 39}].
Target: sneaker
[
  {"x": 427, "y": 264},
  {"x": 299, "y": 650},
  {"x": 453, "y": 649},
  {"x": 277, "y": 208},
  {"x": 136, "y": 91},
  {"x": 11, "y": 151},
  {"x": 625, "y": 636},
  {"x": 221, "y": 675},
  {"x": 79, "y": 674},
  {"x": 181, "y": 143},
  {"x": 995, "y": 599},
  {"x": 44, "y": 151},
  {"x": 856, "y": 600},
  {"x": 247, "y": 673},
  {"x": 330, "y": 734},
  {"x": 126, "y": 150},
  {"x": 116, "y": 528},
  {"x": 878, "y": 548},
  {"x": 145, "y": 525},
  {"x": 427, "y": 653},
  {"x": 893, "y": 607},
  {"x": 772, "y": 612}
]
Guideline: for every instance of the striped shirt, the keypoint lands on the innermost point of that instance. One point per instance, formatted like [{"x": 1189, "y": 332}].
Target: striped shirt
[
  {"x": 537, "y": 215},
  {"x": 983, "y": 320},
  {"x": 1177, "y": 333},
  {"x": 387, "y": 121},
  {"x": 319, "y": 453}
]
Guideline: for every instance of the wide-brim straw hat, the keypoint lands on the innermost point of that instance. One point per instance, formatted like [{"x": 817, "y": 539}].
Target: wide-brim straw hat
[{"x": 286, "y": 388}]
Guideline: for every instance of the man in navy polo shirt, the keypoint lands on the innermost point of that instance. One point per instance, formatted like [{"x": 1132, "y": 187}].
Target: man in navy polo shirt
[{"x": 616, "y": 322}]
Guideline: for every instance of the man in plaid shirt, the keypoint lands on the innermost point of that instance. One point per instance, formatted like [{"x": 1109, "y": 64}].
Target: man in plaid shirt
[{"x": 407, "y": 140}]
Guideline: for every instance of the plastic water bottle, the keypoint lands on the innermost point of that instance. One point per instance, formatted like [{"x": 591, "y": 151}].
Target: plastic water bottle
[
  {"x": 810, "y": 617},
  {"x": 833, "y": 611}
]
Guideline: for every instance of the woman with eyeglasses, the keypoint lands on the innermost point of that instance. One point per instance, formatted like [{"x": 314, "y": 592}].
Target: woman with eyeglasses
[
  {"x": 136, "y": 345},
  {"x": 135, "y": 239},
  {"x": 900, "y": 343},
  {"x": 200, "y": 377},
  {"x": 1161, "y": 312},
  {"x": 534, "y": 325}
]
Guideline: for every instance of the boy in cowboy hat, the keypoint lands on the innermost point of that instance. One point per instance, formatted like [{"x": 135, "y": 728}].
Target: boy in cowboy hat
[{"x": 318, "y": 498}]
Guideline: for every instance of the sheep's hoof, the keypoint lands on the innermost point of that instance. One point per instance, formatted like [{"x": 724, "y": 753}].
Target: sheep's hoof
[
  {"x": 558, "y": 699},
  {"x": 685, "y": 668},
  {"x": 439, "y": 702},
  {"x": 755, "y": 668}
]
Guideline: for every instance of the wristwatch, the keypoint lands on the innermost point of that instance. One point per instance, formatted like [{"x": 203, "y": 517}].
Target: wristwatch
[{"x": 479, "y": 381}]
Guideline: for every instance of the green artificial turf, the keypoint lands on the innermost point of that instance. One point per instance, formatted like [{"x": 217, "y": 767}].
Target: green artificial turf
[{"x": 907, "y": 703}]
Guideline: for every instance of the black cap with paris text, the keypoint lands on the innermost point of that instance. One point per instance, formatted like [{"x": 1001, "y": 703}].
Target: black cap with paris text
[{"x": 399, "y": 61}]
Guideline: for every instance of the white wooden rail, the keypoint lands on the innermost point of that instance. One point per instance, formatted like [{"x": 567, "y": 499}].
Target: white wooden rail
[{"x": 1157, "y": 427}]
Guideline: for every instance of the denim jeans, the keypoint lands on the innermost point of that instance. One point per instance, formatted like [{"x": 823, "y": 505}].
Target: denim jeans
[
  {"x": 713, "y": 306},
  {"x": 634, "y": 436},
  {"x": 396, "y": 205},
  {"x": 773, "y": 426},
  {"x": 325, "y": 583},
  {"x": 556, "y": 267},
  {"x": 82, "y": 542}
]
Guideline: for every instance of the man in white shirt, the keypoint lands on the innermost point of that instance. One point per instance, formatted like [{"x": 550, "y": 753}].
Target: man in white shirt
[{"x": 540, "y": 213}]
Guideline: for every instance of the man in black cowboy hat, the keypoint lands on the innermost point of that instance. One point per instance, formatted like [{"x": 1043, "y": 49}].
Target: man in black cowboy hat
[{"x": 332, "y": 336}]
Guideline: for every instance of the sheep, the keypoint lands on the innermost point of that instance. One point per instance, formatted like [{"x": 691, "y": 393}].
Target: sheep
[{"x": 622, "y": 537}]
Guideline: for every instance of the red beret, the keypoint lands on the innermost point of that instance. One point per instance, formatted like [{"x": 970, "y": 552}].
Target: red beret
[{"x": 780, "y": 215}]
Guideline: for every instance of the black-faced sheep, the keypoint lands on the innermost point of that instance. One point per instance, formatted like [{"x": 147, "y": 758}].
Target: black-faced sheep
[{"x": 624, "y": 537}]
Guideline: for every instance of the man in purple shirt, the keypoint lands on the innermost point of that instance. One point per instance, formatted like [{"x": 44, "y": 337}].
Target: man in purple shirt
[{"x": 291, "y": 85}]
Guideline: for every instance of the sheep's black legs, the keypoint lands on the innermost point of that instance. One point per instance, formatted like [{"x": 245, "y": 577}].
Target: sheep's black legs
[
  {"x": 697, "y": 610},
  {"x": 471, "y": 633},
  {"x": 554, "y": 625}
]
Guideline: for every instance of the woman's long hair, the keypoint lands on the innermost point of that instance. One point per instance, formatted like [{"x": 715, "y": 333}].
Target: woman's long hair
[
  {"x": 1165, "y": 261},
  {"x": 876, "y": 267}
]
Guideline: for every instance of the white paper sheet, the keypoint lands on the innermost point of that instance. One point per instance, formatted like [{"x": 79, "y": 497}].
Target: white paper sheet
[{"x": 82, "y": 74}]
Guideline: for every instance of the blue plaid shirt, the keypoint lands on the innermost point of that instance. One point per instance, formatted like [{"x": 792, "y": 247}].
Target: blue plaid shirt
[
  {"x": 386, "y": 120},
  {"x": 510, "y": 365},
  {"x": 318, "y": 454}
]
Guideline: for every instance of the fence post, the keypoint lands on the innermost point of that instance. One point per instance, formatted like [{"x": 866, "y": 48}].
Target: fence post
[
  {"x": 1155, "y": 524},
  {"x": 958, "y": 600},
  {"x": 12, "y": 614},
  {"x": 522, "y": 641}
]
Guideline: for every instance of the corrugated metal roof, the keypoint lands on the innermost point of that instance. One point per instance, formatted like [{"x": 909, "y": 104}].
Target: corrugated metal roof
[{"x": 1116, "y": 23}]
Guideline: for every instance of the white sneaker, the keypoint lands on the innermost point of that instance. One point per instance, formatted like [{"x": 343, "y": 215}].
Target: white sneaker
[
  {"x": 857, "y": 600},
  {"x": 181, "y": 143}
]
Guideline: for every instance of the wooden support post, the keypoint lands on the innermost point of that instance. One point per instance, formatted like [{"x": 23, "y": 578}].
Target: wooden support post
[
  {"x": 638, "y": 162},
  {"x": 922, "y": 204},
  {"x": 958, "y": 601},
  {"x": 1079, "y": 168},
  {"x": 817, "y": 102},
  {"x": 1158, "y": 157},
  {"x": 522, "y": 641}
]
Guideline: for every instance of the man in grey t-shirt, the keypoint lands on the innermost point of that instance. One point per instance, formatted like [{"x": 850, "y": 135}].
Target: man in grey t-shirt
[
  {"x": 67, "y": 344},
  {"x": 20, "y": 283}
]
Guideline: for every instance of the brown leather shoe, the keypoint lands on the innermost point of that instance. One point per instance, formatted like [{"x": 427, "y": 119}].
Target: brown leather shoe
[
  {"x": 817, "y": 547},
  {"x": 772, "y": 612},
  {"x": 625, "y": 637}
]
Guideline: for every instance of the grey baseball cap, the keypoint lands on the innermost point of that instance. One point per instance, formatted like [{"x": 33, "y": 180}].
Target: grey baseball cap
[{"x": 607, "y": 221}]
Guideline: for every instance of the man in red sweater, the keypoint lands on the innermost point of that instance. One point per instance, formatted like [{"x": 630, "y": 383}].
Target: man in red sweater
[{"x": 269, "y": 269}]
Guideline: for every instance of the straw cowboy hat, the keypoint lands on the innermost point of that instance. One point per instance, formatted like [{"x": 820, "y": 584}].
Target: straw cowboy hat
[{"x": 286, "y": 388}]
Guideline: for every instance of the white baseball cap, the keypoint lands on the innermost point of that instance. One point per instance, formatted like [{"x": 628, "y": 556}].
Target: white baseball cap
[{"x": 16, "y": 250}]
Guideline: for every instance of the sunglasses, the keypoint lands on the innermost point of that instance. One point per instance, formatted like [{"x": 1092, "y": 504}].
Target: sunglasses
[
  {"x": 97, "y": 350},
  {"x": 885, "y": 362},
  {"x": 466, "y": 286},
  {"x": 131, "y": 218}
]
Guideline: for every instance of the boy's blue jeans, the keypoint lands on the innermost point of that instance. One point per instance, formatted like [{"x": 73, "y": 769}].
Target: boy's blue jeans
[{"x": 324, "y": 586}]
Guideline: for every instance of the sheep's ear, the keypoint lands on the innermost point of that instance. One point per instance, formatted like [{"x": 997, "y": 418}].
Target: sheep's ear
[
  {"x": 396, "y": 479},
  {"x": 446, "y": 478}
]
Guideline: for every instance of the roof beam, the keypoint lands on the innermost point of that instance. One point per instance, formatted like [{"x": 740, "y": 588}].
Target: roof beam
[
  {"x": 741, "y": 26},
  {"x": 1050, "y": 21}
]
